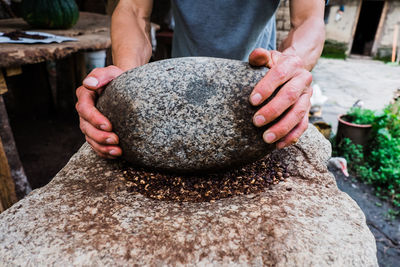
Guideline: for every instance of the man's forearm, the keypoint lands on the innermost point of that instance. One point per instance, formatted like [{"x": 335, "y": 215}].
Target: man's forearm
[
  {"x": 307, "y": 35},
  {"x": 130, "y": 35}
]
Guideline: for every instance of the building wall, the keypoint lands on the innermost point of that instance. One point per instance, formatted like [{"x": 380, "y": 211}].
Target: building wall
[
  {"x": 342, "y": 30},
  {"x": 384, "y": 41}
]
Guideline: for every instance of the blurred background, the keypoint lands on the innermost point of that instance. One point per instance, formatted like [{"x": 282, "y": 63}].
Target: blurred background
[{"x": 358, "y": 72}]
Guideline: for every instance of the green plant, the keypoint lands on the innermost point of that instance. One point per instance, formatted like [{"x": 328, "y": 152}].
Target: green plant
[
  {"x": 392, "y": 214},
  {"x": 379, "y": 165},
  {"x": 360, "y": 116},
  {"x": 353, "y": 153},
  {"x": 334, "y": 49}
]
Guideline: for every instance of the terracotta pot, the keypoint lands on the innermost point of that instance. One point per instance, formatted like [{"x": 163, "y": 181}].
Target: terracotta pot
[{"x": 357, "y": 133}]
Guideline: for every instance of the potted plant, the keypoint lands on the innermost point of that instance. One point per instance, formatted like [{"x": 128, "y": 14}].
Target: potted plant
[
  {"x": 355, "y": 125},
  {"x": 377, "y": 163}
]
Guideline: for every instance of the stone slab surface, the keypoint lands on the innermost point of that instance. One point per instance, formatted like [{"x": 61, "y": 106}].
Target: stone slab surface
[
  {"x": 86, "y": 216},
  {"x": 186, "y": 114}
]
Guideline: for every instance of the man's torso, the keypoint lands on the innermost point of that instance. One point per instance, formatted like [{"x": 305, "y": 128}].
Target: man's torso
[{"x": 223, "y": 28}]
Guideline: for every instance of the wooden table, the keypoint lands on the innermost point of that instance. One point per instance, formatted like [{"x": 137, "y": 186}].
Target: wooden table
[{"x": 92, "y": 32}]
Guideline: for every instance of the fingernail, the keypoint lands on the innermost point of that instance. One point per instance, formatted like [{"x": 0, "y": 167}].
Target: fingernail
[
  {"x": 90, "y": 81},
  {"x": 269, "y": 137},
  {"x": 103, "y": 127},
  {"x": 110, "y": 141},
  {"x": 259, "y": 120},
  {"x": 113, "y": 152},
  {"x": 255, "y": 99}
]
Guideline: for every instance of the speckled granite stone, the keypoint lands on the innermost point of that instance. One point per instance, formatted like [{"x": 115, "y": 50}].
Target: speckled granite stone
[
  {"x": 186, "y": 114},
  {"x": 86, "y": 216}
]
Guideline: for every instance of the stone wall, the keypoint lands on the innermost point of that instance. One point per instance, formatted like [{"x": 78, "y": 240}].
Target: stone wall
[{"x": 282, "y": 21}]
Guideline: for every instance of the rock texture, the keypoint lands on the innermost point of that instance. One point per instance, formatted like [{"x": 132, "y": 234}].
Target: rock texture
[
  {"x": 85, "y": 216},
  {"x": 186, "y": 114}
]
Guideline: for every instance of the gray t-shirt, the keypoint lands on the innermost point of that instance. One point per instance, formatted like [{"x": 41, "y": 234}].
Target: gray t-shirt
[{"x": 223, "y": 28}]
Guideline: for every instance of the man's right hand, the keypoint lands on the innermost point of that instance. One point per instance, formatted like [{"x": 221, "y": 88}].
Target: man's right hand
[{"x": 97, "y": 128}]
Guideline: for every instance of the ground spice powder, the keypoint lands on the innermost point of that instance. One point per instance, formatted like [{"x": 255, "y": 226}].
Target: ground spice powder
[{"x": 251, "y": 179}]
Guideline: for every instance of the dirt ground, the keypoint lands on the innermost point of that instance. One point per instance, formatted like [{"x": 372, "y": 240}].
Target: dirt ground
[{"x": 384, "y": 227}]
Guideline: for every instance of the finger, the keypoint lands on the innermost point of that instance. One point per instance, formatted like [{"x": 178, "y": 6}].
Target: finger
[
  {"x": 100, "y": 137},
  {"x": 286, "y": 97},
  {"x": 99, "y": 77},
  {"x": 292, "y": 118},
  {"x": 288, "y": 67},
  {"x": 98, "y": 152},
  {"x": 83, "y": 90},
  {"x": 295, "y": 134},
  {"x": 259, "y": 57},
  {"x": 104, "y": 151},
  {"x": 264, "y": 57},
  {"x": 87, "y": 110}
]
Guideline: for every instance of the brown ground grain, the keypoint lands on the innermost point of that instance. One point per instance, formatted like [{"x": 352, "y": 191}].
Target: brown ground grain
[{"x": 251, "y": 179}]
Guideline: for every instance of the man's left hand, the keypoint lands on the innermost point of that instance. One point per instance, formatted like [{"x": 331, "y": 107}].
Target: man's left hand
[{"x": 292, "y": 102}]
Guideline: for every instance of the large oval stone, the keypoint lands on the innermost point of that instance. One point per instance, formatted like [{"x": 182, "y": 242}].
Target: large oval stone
[{"x": 186, "y": 114}]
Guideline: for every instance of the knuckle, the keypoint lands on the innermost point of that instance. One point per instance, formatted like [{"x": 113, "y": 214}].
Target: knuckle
[
  {"x": 82, "y": 126},
  {"x": 271, "y": 112},
  {"x": 92, "y": 115},
  {"x": 297, "y": 61},
  {"x": 96, "y": 71},
  {"x": 78, "y": 107},
  {"x": 96, "y": 147},
  {"x": 292, "y": 94},
  {"x": 99, "y": 138},
  {"x": 310, "y": 91},
  {"x": 300, "y": 113},
  {"x": 280, "y": 73},
  {"x": 296, "y": 135},
  {"x": 88, "y": 140},
  {"x": 112, "y": 68},
  {"x": 284, "y": 130},
  {"x": 308, "y": 77},
  {"x": 78, "y": 91}
]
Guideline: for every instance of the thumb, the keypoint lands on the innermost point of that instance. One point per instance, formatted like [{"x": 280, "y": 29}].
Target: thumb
[
  {"x": 100, "y": 77},
  {"x": 262, "y": 57},
  {"x": 259, "y": 57}
]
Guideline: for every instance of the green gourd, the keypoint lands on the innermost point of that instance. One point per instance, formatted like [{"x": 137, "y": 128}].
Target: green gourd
[{"x": 50, "y": 14}]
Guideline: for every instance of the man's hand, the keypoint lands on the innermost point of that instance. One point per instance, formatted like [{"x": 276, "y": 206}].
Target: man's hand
[
  {"x": 97, "y": 128},
  {"x": 292, "y": 101}
]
